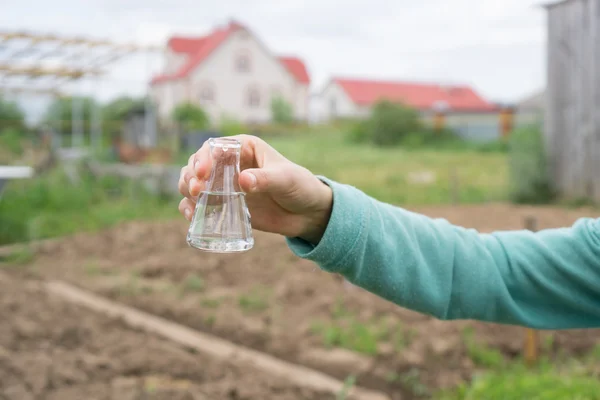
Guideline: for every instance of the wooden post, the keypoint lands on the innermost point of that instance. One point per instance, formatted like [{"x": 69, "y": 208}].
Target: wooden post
[{"x": 532, "y": 336}]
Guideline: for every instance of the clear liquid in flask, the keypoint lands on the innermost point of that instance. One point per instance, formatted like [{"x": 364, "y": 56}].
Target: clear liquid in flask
[
  {"x": 221, "y": 220},
  {"x": 221, "y": 223}
]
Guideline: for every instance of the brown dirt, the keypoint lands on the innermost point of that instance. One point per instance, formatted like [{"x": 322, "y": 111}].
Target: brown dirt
[
  {"x": 270, "y": 300},
  {"x": 50, "y": 349}
]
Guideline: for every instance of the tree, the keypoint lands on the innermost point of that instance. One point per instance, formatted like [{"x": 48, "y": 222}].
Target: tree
[
  {"x": 115, "y": 112},
  {"x": 281, "y": 111},
  {"x": 191, "y": 117},
  {"x": 11, "y": 116}
]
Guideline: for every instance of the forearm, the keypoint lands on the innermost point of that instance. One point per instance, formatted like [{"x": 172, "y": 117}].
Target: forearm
[{"x": 434, "y": 267}]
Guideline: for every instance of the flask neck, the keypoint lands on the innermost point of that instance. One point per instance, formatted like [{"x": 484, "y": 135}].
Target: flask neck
[{"x": 225, "y": 159}]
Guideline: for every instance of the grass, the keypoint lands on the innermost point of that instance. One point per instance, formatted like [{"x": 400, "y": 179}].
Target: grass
[
  {"x": 256, "y": 300},
  {"x": 519, "y": 382},
  {"x": 193, "y": 283},
  {"x": 344, "y": 330},
  {"x": 481, "y": 355},
  {"x": 18, "y": 257},
  {"x": 52, "y": 206},
  {"x": 388, "y": 174}
]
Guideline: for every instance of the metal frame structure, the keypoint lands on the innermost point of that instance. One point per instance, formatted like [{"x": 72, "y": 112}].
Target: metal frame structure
[{"x": 46, "y": 63}]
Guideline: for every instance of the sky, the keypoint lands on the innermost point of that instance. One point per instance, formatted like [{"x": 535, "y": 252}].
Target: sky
[{"x": 497, "y": 46}]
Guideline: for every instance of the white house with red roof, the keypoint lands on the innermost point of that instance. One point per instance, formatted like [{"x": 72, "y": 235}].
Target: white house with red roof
[
  {"x": 230, "y": 72},
  {"x": 463, "y": 108},
  {"x": 345, "y": 98}
]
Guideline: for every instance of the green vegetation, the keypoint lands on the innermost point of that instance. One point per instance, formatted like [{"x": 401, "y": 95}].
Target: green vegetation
[
  {"x": 11, "y": 116},
  {"x": 12, "y": 140},
  {"x": 191, "y": 117},
  {"x": 482, "y": 355},
  {"x": 349, "y": 383},
  {"x": 388, "y": 124},
  {"x": 281, "y": 111},
  {"x": 211, "y": 303},
  {"x": 529, "y": 175},
  {"x": 346, "y": 331},
  {"x": 230, "y": 126},
  {"x": 193, "y": 283},
  {"x": 398, "y": 175},
  {"x": 51, "y": 206},
  {"x": 19, "y": 256},
  {"x": 256, "y": 300},
  {"x": 519, "y": 382}
]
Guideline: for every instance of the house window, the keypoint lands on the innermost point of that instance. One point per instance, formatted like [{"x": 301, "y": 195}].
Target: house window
[
  {"x": 332, "y": 106},
  {"x": 207, "y": 94},
  {"x": 253, "y": 98},
  {"x": 242, "y": 62}
]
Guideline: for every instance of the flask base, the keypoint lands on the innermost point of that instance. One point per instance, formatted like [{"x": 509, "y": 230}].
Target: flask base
[{"x": 220, "y": 245}]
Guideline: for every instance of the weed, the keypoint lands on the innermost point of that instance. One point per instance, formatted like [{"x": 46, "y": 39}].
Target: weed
[
  {"x": 520, "y": 382},
  {"x": 193, "y": 283},
  {"x": 255, "y": 300},
  {"x": 350, "y": 334},
  {"x": 92, "y": 268},
  {"x": 18, "y": 257},
  {"x": 412, "y": 381},
  {"x": 482, "y": 355},
  {"x": 211, "y": 303},
  {"x": 349, "y": 383},
  {"x": 210, "y": 320}
]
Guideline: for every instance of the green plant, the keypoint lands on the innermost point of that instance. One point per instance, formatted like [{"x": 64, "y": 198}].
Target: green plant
[
  {"x": 412, "y": 381},
  {"x": 19, "y": 256},
  {"x": 193, "y": 283},
  {"x": 11, "y": 116},
  {"x": 391, "y": 122},
  {"x": 281, "y": 111},
  {"x": 230, "y": 126},
  {"x": 349, "y": 334},
  {"x": 12, "y": 139},
  {"x": 480, "y": 354},
  {"x": 349, "y": 383},
  {"x": 519, "y": 382},
  {"x": 256, "y": 300},
  {"x": 191, "y": 117},
  {"x": 528, "y": 169},
  {"x": 211, "y": 303}
]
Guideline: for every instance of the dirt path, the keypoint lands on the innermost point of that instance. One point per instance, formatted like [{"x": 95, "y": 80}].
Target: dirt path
[
  {"x": 51, "y": 349},
  {"x": 272, "y": 301}
]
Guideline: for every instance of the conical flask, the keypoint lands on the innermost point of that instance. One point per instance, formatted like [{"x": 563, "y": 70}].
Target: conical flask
[{"x": 221, "y": 221}]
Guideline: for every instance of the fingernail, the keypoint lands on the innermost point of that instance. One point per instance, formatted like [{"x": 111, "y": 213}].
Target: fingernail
[
  {"x": 197, "y": 166},
  {"x": 193, "y": 182},
  {"x": 188, "y": 213},
  {"x": 252, "y": 182}
]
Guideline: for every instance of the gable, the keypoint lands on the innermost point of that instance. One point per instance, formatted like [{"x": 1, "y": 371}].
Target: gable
[{"x": 199, "y": 50}]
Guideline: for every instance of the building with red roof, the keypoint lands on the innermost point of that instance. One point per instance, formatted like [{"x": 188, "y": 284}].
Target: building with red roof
[
  {"x": 460, "y": 106},
  {"x": 230, "y": 72},
  {"x": 353, "y": 97}
]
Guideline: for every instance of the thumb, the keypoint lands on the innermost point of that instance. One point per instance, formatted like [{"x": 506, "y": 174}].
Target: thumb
[{"x": 256, "y": 180}]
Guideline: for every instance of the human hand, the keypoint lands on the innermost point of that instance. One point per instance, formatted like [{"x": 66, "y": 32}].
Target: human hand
[{"x": 282, "y": 197}]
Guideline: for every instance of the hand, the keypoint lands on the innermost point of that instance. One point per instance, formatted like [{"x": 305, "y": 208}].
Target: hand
[{"x": 282, "y": 197}]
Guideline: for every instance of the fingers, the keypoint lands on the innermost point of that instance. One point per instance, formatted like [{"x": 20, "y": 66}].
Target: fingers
[
  {"x": 192, "y": 176},
  {"x": 272, "y": 180},
  {"x": 186, "y": 208}
]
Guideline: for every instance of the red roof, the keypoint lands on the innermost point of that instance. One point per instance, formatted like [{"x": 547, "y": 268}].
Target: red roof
[
  {"x": 296, "y": 68},
  {"x": 198, "y": 49},
  {"x": 418, "y": 95}
]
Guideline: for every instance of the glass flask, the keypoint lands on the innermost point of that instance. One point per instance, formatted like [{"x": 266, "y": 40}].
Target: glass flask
[{"x": 221, "y": 220}]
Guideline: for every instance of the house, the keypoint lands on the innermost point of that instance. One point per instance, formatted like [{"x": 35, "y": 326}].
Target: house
[
  {"x": 457, "y": 106},
  {"x": 230, "y": 73}
]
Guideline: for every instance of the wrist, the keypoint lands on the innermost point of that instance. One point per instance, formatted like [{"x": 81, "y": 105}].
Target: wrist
[{"x": 318, "y": 219}]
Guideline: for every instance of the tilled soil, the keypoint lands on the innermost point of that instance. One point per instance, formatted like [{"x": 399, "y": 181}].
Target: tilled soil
[
  {"x": 270, "y": 300},
  {"x": 53, "y": 350}
]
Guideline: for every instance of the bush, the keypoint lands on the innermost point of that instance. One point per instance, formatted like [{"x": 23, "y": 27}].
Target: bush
[
  {"x": 230, "y": 126},
  {"x": 11, "y": 139},
  {"x": 529, "y": 178},
  {"x": 388, "y": 125},
  {"x": 191, "y": 117},
  {"x": 391, "y": 122},
  {"x": 282, "y": 112}
]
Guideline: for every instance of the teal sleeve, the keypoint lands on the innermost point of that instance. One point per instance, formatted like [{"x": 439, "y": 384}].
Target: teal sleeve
[{"x": 547, "y": 280}]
